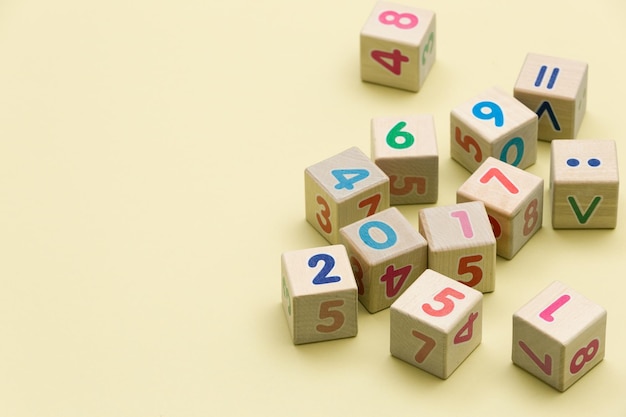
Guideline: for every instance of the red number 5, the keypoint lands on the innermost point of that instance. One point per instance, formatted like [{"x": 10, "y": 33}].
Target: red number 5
[{"x": 445, "y": 298}]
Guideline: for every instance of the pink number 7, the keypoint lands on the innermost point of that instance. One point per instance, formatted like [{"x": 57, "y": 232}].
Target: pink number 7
[
  {"x": 499, "y": 175},
  {"x": 558, "y": 303}
]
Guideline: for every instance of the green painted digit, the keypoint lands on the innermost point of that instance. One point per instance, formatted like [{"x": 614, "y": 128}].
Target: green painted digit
[{"x": 398, "y": 138}]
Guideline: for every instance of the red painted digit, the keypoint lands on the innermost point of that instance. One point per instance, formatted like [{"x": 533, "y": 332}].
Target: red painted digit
[
  {"x": 372, "y": 202},
  {"x": 390, "y": 60},
  {"x": 444, "y": 297},
  {"x": 323, "y": 217},
  {"x": 494, "y": 172},
  {"x": 475, "y": 270},
  {"x": 409, "y": 183},
  {"x": 429, "y": 345},
  {"x": 545, "y": 365},
  {"x": 467, "y": 143},
  {"x": 357, "y": 269},
  {"x": 327, "y": 311},
  {"x": 466, "y": 332},
  {"x": 389, "y": 278},
  {"x": 586, "y": 353},
  {"x": 531, "y": 217}
]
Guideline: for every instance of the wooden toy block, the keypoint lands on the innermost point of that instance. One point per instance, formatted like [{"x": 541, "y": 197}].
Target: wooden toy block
[
  {"x": 495, "y": 124},
  {"x": 343, "y": 189},
  {"x": 397, "y": 46},
  {"x": 319, "y": 294},
  {"x": 387, "y": 255},
  {"x": 405, "y": 148},
  {"x": 555, "y": 89},
  {"x": 513, "y": 199},
  {"x": 461, "y": 243},
  {"x": 436, "y": 323},
  {"x": 559, "y": 336},
  {"x": 584, "y": 184}
]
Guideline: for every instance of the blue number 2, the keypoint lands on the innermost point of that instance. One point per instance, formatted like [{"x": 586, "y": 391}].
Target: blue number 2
[{"x": 322, "y": 276}]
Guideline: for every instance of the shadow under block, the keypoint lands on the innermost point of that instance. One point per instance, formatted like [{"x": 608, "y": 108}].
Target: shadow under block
[
  {"x": 436, "y": 324},
  {"x": 319, "y": 294},
  {"x": 556, "y": 90},
  {"x": 494, "y": 124},
  {"x": 559, "y": 336},
  {"x": 584, "y": 184},
  {"x": 513, "y": 199},
  {"x": 343, "y": 189},
  {"x": 405, "y": 148},
  {"x": 397, "y": 46},
  {"x": 387, "y": 255},
  {"x": 461, "y": 243}
]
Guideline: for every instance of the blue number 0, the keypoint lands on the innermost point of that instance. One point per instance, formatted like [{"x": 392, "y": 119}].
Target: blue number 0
[
  {"x": 366, "y": 237},
  {"x": 519, "y": 145}
]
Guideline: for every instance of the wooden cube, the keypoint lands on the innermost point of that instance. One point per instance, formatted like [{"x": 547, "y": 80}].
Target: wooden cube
[
  {"x": 461, "y": 243},
  {"x": 436, "y": 323},
  {"x": 397, "y": 46},
  {"x": 513, "y": 199},
  {"x": 343, "y": 189},
  {"x": 319, "y": 294},
  {"x": 584, "y": 184},
  {"x": 495, "y": 124},
  {"x": 405, "y": 148},
  {"x": 559, "y": 336},
  {"x": 387, "y": 255},
  {"x": 555, "y": 89}
]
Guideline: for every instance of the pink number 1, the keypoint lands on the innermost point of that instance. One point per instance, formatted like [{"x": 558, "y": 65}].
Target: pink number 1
[
  {"x": 466, "y": 226},
  {"x": 547, "y": 313}
]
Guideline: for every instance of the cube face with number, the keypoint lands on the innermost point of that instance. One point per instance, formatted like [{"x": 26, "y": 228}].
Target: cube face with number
[
  {"x": 387, "y": 255},
  {"x": 461, "y": 243},
  {"x": 493, "y": 124},
  {"x": 397, "y": 46},
  {"x": 319, "y": 294},
  {"x": 513, "y": 199},
  {"x": 559, "y": 336},
  {"x": 343, "y": 189},
  {"x": 556, "y": 90},
  {"x": 405, "y": 148},
  {"x": 584, "y": 184},
  {"x": 436, "y": 324}
]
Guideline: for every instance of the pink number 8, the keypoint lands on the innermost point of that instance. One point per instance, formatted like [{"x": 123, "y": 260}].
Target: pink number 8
[{"x": 390, "y": 17}]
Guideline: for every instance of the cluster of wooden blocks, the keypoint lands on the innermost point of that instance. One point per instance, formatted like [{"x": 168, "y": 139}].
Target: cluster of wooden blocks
[{"x": 433, "y": 278}]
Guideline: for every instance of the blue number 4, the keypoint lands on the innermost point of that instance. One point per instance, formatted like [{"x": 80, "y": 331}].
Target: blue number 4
[{"x": 346, "y": 178}]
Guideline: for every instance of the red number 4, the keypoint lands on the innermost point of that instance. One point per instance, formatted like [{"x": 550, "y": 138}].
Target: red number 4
[{"x": 390, "y": 60}]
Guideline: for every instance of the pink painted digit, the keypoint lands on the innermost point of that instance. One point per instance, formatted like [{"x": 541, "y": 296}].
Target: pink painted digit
[
  {"x": 547, "y": 313},
  {"x": 466, "y": 226}
]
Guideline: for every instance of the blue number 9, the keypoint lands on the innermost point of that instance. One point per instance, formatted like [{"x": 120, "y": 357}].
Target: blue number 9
[{"x": 493, "y": 112}]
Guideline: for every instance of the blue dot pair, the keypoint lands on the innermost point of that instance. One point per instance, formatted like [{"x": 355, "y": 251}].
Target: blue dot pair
[{"x": 592, "y": 162}]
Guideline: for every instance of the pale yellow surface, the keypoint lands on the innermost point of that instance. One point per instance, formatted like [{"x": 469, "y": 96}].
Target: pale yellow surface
[{"x": 151, "y": 174}]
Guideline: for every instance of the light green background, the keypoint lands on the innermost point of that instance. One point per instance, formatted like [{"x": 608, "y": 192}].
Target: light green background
[{"x": 151, "y": 174}]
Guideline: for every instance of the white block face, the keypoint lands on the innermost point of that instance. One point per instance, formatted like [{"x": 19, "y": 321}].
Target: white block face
[
  {"x": 493, "y": 124},
  {"x": 461, "y": 243},
  {"x": 387, "y": 255},
  {"x": 398, "y": 46},
  {"x": 513, "y": 199},
  {"x": 343, "y": 189},
  {"x": 555, "y": 89},
  {"x": 436, "y": 323},
  {"x": 559, "y": 336},
  {"x": 405, "y": 148},
  {"x": 319, "y": 294},
  {"x": 584, "y": 184}
]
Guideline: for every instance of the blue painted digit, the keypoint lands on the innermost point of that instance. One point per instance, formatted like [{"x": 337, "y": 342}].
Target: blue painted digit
[
  {"x": 542, "y": 73},
  {"x": 346, "y": 178},
  {"x": 366, "y": 237},
  {"x": 323, "y": 276},
  {"x": 519, "y": 146},
  {"x": 494, "y": 112},
  {"x": 546, "y": 107}
]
